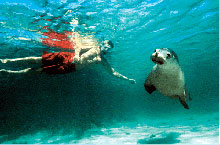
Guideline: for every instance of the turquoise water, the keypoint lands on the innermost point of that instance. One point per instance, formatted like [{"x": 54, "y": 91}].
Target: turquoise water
[{"x": 91, "y": 106}]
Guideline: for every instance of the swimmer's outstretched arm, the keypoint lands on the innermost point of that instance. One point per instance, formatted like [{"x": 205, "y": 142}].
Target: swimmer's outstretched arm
[{"x": 113, "y": 72}]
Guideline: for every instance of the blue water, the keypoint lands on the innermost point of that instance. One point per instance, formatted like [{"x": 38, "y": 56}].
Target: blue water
[{"x": 91, "y": 106}]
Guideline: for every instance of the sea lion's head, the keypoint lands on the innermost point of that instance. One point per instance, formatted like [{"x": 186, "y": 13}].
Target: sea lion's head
[{"x": 163, "y": 56}]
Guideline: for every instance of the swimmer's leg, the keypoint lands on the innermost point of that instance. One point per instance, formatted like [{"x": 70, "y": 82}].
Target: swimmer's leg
[
  {"x": 26, "y": 59},
  {"x": 20, "y": 71}
]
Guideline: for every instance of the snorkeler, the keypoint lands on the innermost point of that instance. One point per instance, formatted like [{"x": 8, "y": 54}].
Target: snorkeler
[{"x": 86, "y": 51}]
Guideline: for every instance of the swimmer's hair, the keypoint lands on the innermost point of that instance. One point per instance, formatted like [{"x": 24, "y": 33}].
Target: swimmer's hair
[{"x": 111, "y": 43}]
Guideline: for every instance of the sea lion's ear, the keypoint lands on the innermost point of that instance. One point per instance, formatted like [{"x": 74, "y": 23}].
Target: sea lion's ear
[{"x": 149, "y": 88}]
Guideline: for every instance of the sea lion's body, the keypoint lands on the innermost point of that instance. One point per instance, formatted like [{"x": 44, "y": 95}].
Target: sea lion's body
[{"x": 167, "y": 76}]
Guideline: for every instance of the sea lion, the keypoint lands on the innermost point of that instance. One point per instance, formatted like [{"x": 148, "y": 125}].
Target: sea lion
[{"x": 167, "y": 76}]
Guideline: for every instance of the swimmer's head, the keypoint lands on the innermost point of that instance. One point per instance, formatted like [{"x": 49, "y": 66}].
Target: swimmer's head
[{"x": 106, "y": 45}]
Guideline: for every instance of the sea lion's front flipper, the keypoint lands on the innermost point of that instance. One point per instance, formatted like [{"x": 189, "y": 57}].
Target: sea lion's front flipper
[
  {"x": 183, "y": 102},
  {"x": 149, "y": 88}
]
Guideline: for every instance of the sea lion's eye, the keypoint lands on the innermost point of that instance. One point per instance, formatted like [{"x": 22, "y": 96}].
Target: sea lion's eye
[
  {"x": 156, "y": 50},
  {"x": 168, "y": 55}
]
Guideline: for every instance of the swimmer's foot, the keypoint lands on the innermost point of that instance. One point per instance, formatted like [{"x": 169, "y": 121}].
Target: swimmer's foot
[
  {"x": 3, "y": 60},
  {"x": 15, "y": 72}
]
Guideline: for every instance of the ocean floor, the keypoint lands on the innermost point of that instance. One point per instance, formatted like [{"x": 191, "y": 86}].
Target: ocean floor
[{"x": 191, "y": 131}]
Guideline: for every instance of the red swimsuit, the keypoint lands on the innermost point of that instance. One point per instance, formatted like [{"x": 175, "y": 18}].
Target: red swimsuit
[
  {"x": 59, "y": 62},
  {"x": 59, "y": 40}
]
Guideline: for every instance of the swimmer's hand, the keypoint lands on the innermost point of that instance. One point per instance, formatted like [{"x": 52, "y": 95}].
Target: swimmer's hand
[
  {"x": 132, "y": 81},
  {"x": 76, "y": 60}
]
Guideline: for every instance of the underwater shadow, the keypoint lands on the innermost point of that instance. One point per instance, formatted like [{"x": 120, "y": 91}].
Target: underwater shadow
[
  {"x": 169, "y": 138},
  {"x": 33, "y": 103}
]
